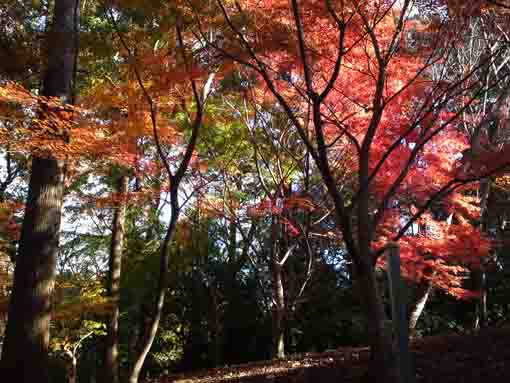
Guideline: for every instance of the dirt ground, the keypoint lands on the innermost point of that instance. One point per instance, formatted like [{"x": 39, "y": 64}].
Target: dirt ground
[{"x": 440, "y": 359}]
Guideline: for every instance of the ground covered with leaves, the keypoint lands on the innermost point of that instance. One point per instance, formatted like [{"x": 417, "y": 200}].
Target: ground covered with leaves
[{"x": 441, "y": 359}]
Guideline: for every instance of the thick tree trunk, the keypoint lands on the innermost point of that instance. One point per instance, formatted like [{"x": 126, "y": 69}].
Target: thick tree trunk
[
  {"x": 111, "y": 364},
  {"x": 382, "y": 364},
  {"x": 382, "y": 358},
  {"x": 403, "y": 369},
  {"x": 25, "y": 350},
  {"x": 381, "y": 368}
]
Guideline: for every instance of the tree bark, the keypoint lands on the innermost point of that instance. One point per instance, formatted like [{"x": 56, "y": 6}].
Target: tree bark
[
  {"x": 214, "y": 325},
  {"x": 399, "y": 318},
  {"x": 422, "y": 295},
  {"x": 148, "y": 338},
  {"x": 479, "y": 278},
  {"x": 382, "y": 357},
  {"x": 25, "y": 350},
  {"x": 483, "y": 301},
  {"x": 278, "y": 312},
  {"x": 381, "y": 368},
  {"x": 111, "y": 364},
  {"x": 72, "y": 368},
  {"x": 232, "y": 241},
  {"x": 278, "y": 296}
]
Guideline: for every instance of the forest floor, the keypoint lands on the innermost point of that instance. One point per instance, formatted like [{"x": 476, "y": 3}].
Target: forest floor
[{"x": 484, "y": 357}]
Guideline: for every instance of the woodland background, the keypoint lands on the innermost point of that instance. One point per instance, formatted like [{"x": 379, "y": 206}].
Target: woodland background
[{"x": 192, "y": 184}]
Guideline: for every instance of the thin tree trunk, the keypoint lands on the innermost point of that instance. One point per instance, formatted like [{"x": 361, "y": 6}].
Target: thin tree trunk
[
  {"x": 72, "y": 369},
  {"x": 422, "y": 295},
  {"x": 278, "y": 312},
  {"x": 150, "y": 334},
  {"x": 175, "y": 180},
  {"x": 132, "y": 341},
  {"x": 111, "y": 363},
  {"x": 278, "y": 296},
  {"x": 73, "y": 374},
  {"x": 479, "y": 278},
  {"x": 215, "y": 325},
  {"x": 483, "y": 301},
  {"x": 232, "y": 241},
  {"x": 25, "y": 350}
]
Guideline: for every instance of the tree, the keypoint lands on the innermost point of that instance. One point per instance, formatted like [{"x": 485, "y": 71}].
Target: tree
[
  {"x": 262, "y": 185},
  {"x": 25, "y": 350},
  {"x": 371, "y": 103},
  {"x": 190, "y": 74},
  {"x": 278, "y": 174},
  {"x": 328, "y": 131},
  {"x": 76, "y": 304},
  {"x": 111, "y": 364}
]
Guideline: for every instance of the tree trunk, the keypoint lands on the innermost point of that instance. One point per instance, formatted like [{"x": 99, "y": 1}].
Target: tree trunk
[
  {"x": 214, "y": 326},
  {"x": 72, "y": 369},
  {"x": 111, "y": 364},
  {"x": 278, "y": 294},
  {"x": 278, "y": 312},
  {"x": 483, "y": 301},
  {"x": 25, "y": 350},
  {"x": 148, "y": 338},
  {"x": 174, "y": 180},
  {"x": 399, "y": 319},
  {"x": 381, "y": 367},
  {"x": 422, "y": 295},
  {"x": 232, "y": 241},
  {"x": 479, "y": 278}
]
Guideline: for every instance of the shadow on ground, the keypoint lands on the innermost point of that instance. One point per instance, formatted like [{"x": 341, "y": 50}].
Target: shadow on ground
[{"x": 476, "y": 358}]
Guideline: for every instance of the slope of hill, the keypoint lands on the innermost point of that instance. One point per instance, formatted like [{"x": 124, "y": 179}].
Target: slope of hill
[{"x": 483, "y": 357}]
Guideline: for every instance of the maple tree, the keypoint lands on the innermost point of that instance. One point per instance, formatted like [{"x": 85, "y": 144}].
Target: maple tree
[
  {"x": 398, "y": 145},
  {"x": 268, "y": 204}
]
